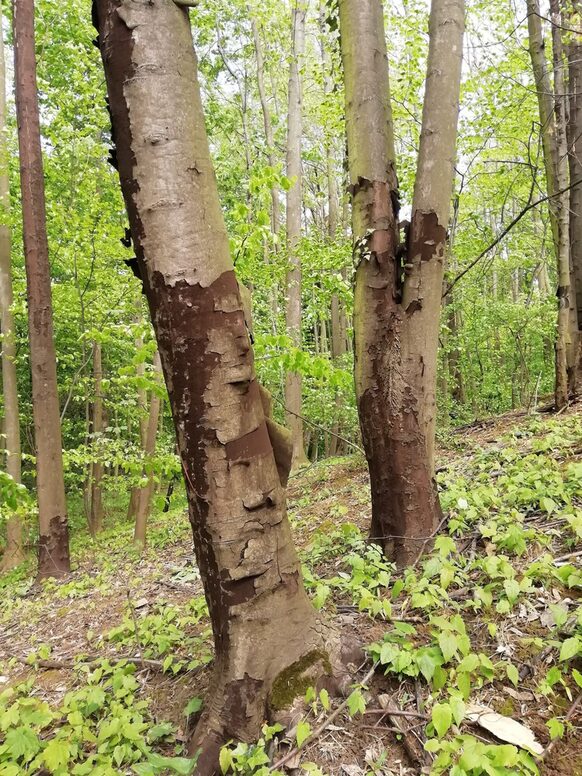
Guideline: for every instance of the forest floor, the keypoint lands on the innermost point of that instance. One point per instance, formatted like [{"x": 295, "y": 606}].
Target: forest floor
[{"x": 103, "y": 672}]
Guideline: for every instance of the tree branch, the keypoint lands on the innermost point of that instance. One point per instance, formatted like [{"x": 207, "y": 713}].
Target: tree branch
[{"x": 506, "y": 231}]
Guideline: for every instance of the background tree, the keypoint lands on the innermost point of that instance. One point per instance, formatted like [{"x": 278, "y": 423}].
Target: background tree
[
  {"x": 53, "y": 558},
  {"x": 14, "y": 552}
]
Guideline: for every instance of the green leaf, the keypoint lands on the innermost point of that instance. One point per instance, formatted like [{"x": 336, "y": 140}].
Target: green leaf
[
  {"x": 56, "y": 754},
  {"x": 512, "y": 590},
  {"x": 225, "y": 759},
  {"x": 570, "y": 648},
  {"x": 22, "y": 742},
  {"x": 442, "y": 718},
  {"x": 448, "y": 644},
  {"x": 303, "y": 732},
  {"x": 577, "y": 677},
  {"x": 324, "y": 698},
  {"x": 193, "y": 706},
  {"x": 512, "y": 674},
  {"x": 356, "y": 703},
  {"x": 556, "y": 728}
]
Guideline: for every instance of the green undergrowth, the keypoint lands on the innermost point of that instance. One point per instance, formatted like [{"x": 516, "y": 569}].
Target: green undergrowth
[
  {"x": 514, "y": 517},
  {"x": 104, "y": 726},
  {"x": 492, "y": 609}
]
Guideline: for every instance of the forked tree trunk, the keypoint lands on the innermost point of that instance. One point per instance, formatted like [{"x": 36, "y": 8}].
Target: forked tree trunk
[
  {"x": 262, "y": 620},
  {"x": 96, "y": 516},
  {"x": 293, "y": 382},
  {"x": 396, "y": 309},
  {"x": 14, "y": 552},
  {"x": 144, "y": 494},
  {"x": 53, "y": 553}
]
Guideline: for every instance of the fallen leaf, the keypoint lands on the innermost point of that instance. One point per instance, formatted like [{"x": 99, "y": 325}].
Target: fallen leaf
[
  {"x": 504, "y": 728},
  {"x": 519, "y": 695}
]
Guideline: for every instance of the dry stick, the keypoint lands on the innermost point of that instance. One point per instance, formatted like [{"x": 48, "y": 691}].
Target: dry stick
[
  {"x": 504, "y": 232},
  {"x": 156, "y": 665},
  {"x": 427, "y": 540},
  {"x": 569, "y": 716},
  {"x": 318, "y": 731},
  {"x": 397, "y": 713},
  {"x": 316, "y": 425}
]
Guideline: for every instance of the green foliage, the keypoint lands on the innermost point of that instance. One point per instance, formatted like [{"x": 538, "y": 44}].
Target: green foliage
[{"x": 102, "y": 726}]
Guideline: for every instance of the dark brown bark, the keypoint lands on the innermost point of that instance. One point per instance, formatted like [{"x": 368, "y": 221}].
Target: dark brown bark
[
  {"x": 396, "y": 303},
  {"x": 262, "y": 620},
  {"x": 53, "y": 541}
]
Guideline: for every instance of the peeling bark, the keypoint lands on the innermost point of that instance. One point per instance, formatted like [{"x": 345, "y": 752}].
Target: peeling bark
[
  {"x": 396, "y": 305},
  {"x": 261, "y": 617},
  {"x": 53, "y": 551}
]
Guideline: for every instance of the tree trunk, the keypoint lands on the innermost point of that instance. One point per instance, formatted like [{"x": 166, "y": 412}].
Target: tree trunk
[
  {"x": 575, "y": 165},
  {"x": 551, "y": 106},
  {"x": 395, "y": 350},
  {"x": 96, "y": 518},
  {"x": 267, "y": 124},
  {"x": 262, "y": 620},
  {"x": 143, "y": 424},
  {"x": 14, "y": 553},
  {"x": 565, "y": 346},
  {"x": 431, "y": 205},
  {"x": 293, "y": 381},
  {"x": 144, "y": 494},
  {"x": 52, "y": 508}
]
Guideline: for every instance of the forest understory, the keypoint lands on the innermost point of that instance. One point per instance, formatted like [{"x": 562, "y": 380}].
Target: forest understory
[{"x": 106, "y": 670}]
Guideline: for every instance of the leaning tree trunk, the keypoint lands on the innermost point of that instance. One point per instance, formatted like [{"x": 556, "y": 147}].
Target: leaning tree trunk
[
  {"x": 14, "y": 552},
  {"x": 144, "y": 494},
  {"x": 396, "y": 308},
  {"x": 53, "y": 559},
  {"x": 293, "y": 382},
  {"x": 264, "y": 627},
  {"x": 96, "y": 514}
]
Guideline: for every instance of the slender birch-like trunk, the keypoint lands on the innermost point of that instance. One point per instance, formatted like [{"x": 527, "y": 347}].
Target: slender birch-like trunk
[
  {"x": 53, "y": 556},
  {"x": 14, "y": 552},
  {"x": 574, "y": 137},
  {"x": 293, "y": 382},
  {"x": 144, "y": 494},
  {"x": 96, "y": 516},
  {"x": 262, "y": 620}
]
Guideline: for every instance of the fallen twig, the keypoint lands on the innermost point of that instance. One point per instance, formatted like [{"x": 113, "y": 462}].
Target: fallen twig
[
  {"x": 318, "y": 731},
  {"x": 68, "y": 665}
]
